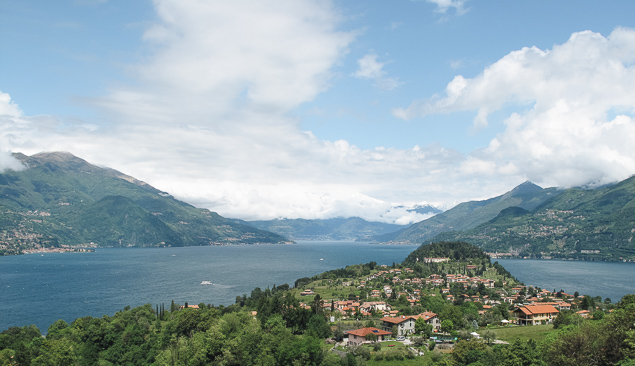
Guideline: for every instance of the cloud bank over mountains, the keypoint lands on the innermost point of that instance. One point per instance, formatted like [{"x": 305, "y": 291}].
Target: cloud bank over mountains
[
  {"x": 211, "y": 117},
  {"x": 573, "y": 124}
]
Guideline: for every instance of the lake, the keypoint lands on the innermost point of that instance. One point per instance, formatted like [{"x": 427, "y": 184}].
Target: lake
[
  {"x": 36, "y": 289},
  {"x": 606, "y": 279}
]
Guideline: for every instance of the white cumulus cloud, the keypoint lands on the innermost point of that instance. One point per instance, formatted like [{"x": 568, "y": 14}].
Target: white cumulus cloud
[
  {"x": 574, "y": 110},
  {"x": 210, "y": 118},
  {"x": 10, "y": 122}
]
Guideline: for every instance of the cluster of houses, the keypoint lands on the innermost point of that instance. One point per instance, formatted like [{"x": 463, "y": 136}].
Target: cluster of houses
[
  {"x": 529, "y": 314},
  {"x": 405, "y": 325},
  {"x": 539, "y": 308}
]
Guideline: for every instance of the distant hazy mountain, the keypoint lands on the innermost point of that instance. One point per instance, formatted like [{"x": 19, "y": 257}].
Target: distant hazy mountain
[
  {"x": 591, "y": 224},
  {"x": 61, "y": 199},
  {"x": 353, "y": 228},
  {"x": 468, "y": 215},
  {"x": 422, "y": 209}
]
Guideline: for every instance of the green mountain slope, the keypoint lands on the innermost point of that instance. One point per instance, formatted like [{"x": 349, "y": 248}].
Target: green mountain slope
[
  {"x": 594, "y": 224},
  {"x": 353, "y": 228},
  {"x": 468, "y": 215},
  {"x": 61, "y": 199}
]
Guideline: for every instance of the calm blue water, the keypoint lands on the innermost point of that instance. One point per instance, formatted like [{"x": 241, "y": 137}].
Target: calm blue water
[
  {"x": 39, "y": 290},
  {"x": 606, "y": 279}
]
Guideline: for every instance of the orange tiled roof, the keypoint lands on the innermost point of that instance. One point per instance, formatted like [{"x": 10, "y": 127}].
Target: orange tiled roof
[
  {"x": 538, "y": 309},
  {"x": 395, "y": 320},
  {"x": 366, "y": 331}
]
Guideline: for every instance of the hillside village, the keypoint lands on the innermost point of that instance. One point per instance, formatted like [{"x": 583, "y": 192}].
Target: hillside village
[{"x": 469, "y": 296}]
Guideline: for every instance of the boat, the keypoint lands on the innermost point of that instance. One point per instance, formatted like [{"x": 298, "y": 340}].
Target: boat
[
  {"x": 321, "y": 259},
  {"x": 206, "y": 283}
]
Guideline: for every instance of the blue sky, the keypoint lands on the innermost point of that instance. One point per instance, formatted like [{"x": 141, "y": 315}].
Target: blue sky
[{"x": 318, "y": 109}]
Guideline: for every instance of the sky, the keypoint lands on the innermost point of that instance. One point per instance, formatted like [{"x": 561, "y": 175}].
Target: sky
[{"x": 263, "y": 109}]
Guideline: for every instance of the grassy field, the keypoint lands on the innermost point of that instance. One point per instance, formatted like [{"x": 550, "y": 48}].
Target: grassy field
[
  {"x": 326, "y": 291},
  {"x": 524, "y": 333},
  {"x": 406, "y": 362}
]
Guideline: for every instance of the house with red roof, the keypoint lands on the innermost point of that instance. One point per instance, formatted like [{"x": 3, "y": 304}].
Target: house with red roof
[
  {"x": 583, "y": 313},
  {"x": 406, "y": 323},
  {"x": 535, "y": 314},
  {"x": 430, "y": 318},
  {"x": 358, "y": 336}
]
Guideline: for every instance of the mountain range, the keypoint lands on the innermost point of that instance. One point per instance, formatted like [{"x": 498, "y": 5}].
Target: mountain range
[
  {"x": 468, "y": 215},
  {"x": 345, "y": 229},
  {"x": 588, "y": 224},
  {"x": 60, "y": 199}
]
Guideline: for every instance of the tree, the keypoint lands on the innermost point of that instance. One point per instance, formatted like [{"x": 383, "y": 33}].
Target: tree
[
  {"x": 588, "y": 303},
  {"x": 423, "y": 328},
  {"x": 489, "y": 336},
  {"x": 454, "y": 314},
  {"x": 316, "y": 305},
  {"x": 173, "y": 307},
  {"x": 567, "y": 317},
  {"x": 447, "y": 325},
  {"x": 56, "y": 330},
  {"x": 318, "y": 327},
  {"x": 625, "y": 301},
  {"x": 469, "y": 352},
  {"x": 598, "y": 315},
  {"x": 403, "y": 301}
]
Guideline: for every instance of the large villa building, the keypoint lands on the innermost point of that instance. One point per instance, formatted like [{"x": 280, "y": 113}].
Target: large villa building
[
  {"x": 406, "y": 324},
  {"x": 535, "y": 314}
]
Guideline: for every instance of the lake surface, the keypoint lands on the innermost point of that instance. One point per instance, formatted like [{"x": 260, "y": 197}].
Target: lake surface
[
  {"x": 606, "y": 279},
  {"x": 38, "y": 290}
]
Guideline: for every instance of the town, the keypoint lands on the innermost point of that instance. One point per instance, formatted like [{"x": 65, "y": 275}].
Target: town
[{"x": 393, "y": 297}]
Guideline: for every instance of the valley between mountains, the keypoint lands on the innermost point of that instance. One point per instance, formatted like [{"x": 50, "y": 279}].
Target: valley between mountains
[{"x": 61, "y": 202}]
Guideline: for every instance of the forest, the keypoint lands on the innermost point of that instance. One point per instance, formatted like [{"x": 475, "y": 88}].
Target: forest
[{"x": 283, "y": 333}]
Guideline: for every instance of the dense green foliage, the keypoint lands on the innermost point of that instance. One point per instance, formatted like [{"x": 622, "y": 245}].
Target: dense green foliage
[
  {"x": 208, "y": 335},
  {"x": 353, "y": 228},
  {"x": 61, "y": 199},
  {"x": 457, "y": 251},
  {"x": 594, "y": 224},
  {"x": 355, "y": 270},
  {"x": 284, "y": 333}
]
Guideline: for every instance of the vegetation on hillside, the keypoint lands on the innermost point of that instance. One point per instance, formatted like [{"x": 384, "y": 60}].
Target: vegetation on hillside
[
  {"x": 60, "y": 200},
  {"x": 594, "y": 224},
  {"x": 468, "y": 215}
]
